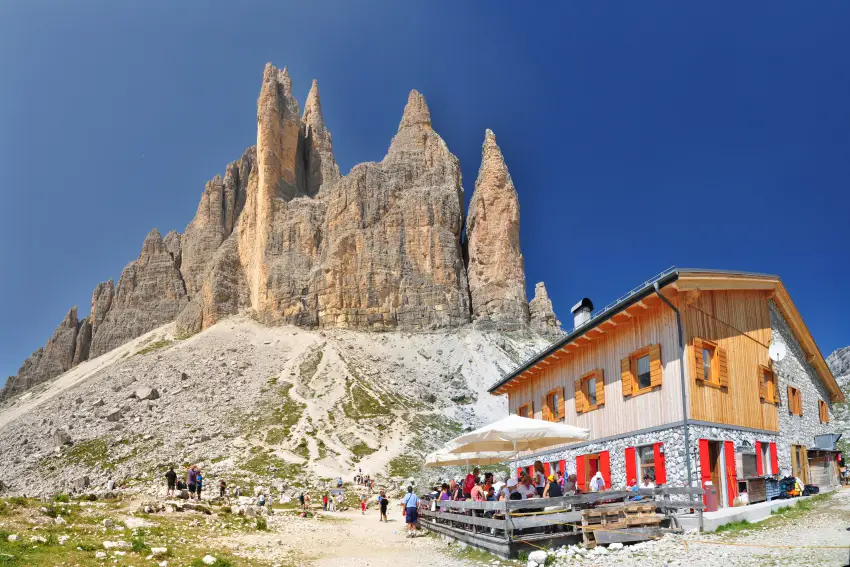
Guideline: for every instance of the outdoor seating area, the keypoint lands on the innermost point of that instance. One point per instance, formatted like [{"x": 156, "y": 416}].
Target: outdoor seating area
[{"x": 507, "y": 527}]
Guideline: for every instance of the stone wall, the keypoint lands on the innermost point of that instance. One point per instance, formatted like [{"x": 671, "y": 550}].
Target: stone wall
[
  {"x": 793, "y": 370},
  {"x": 674, "y": 454}
]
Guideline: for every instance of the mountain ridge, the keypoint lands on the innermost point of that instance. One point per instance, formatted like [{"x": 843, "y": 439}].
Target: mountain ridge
[{"x": 284, "y": 237}]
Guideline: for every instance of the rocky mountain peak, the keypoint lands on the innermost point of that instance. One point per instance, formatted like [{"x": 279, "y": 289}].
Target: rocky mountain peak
[
  {"x": 416, "y": 111},
  {"x": 839, "y": 362},
  {"x": 283, "y": 236},
  {"x": 496, "y": 266},
  {"x": 542, "y": 315},
  {"x": 320, "y": 167}
]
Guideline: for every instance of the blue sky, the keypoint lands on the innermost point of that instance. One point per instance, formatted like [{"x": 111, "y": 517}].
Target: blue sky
[{"x": 639, "y": 134}]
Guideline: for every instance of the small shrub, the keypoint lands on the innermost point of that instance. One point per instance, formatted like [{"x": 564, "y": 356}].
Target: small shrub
[
  {"x": 138, "y": 545},
  {"x": 88, "y": 547},
  {"x": 262, "y": 524},
  {"x": 19, "y": 501},
  {"x": 62, "y": 498}
]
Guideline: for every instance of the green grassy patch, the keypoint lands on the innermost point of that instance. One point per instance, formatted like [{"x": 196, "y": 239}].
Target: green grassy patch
[
  {"x": 265, "y": 465},
  {"x": 162, "y": 343},
  {"x": 90, "y": 453},
  {"x": 732, "y": 527},
  {"x": 361, "y": 450},
  {"x": 404, "y": 466},
  {"x": 302, "y": 449}
]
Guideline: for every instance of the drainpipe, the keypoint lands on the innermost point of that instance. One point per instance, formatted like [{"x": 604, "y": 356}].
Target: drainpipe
[{"x": 684, "y": 395}]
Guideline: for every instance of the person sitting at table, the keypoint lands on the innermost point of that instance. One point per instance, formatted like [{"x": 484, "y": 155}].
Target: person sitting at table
[
  {"x": 539, "y": 477},
  {"x": 552, "y": 488},
  {"x": 526, "y": 488},
  {"x": 647, "y": 482},
  {"x": 597, "y": 483},
  {"x": 571, "y": 485},
  {"x": 633, "y": 487},
  {"x": 508, "y": 490}
]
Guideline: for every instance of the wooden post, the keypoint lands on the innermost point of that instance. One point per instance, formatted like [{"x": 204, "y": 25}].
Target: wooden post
[{"x": 509, "y": 528}]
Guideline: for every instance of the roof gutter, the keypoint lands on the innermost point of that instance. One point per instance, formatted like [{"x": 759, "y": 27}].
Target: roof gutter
[{"x": 646, "y": 291}]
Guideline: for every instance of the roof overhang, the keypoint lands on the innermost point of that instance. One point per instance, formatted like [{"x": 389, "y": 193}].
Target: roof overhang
[{"x": 695, "y": 280}]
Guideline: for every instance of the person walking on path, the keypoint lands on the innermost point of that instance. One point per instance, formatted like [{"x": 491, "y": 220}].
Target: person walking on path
[
  {"x": 331, "y": 503},
  {"x": 171, "y": 480},
  {"x": 363, "y": 504},
  {"x": 222, "y": 488},
  {"x": 382, "y": 500},
  {"x": 410, "y": 505},
  {"x": 302, "y": 501},
  {"x": 325, "y": 502}
]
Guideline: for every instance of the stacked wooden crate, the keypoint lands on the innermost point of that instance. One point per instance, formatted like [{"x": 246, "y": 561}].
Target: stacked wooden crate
[{"x": 617, "y": 518}]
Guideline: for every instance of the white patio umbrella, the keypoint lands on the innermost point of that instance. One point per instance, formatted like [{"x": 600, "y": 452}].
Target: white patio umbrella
[
  {"x": 446, "y": 459},
  {"x": 514, "y": 434}
]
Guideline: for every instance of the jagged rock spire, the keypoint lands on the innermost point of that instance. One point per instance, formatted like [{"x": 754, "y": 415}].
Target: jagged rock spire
[
  {"x": 496, "y": 266},
  {"x": 320, "y": 167},
  {"x": 416, "y": 111},
  {"x": 542, "y": 315},
  {"x": 278, "y": 121}
]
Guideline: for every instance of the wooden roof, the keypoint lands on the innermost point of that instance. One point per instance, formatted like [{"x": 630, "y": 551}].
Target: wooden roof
[{"x": 688, "y": 281}]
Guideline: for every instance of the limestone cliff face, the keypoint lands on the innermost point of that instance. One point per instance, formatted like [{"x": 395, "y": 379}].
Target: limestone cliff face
[
  {"x": 542, "y": 315},
  {"x": 393, "y": 257},
  {"x": 221, "y": 203},
  {"x": 53, "y": 359},
  {"x": 496, "y": 266},
  {"x": 150, "y": 293},
  {"x": 283, "y": 236}
]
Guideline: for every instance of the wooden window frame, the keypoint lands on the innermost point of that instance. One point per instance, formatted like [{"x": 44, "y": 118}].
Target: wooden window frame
[
  {"x": 766, "y": 374},
  {"x": 581, "y": 390},
  {"x": 823, "y": 411},
  {"x": 719, "y": 364},
  {"x": 795, "y": 401},
  {"x": 530, "y": 406},
  {"x": 629, "y": 375},
  {"x": 559, "y": 413},
  {"x": 639, "y": 466}
]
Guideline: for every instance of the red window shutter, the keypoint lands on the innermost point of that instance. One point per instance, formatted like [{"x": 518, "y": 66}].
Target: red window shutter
[
  {"x": 531, "y": 471},
  {"x": 660, "y": 468},
  {"x": 731, "y": 475},
  {"x": 759, "y": 463},
  {"x": 546, "y": 469},
  {"x": 631, "y": 465},
  {"x": 518, "y": 474},
  {"x": 580, "y": 480},
  {"x": 774, "y": 460},
  {"x": 704, "y": 465},
  {"x": 562, "y": 466},
  {"x": 605, "y": 467}
]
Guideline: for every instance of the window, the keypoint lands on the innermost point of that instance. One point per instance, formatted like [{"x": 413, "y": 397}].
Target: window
[
  {"x": 553, "y": 407},
  {"x": 526, "y": 411},
  {"x": 645, "y": 462},
  {"x": 766, "y": 462},
  {"x": 795, "y": 401},
  {"x": 641, "y": 371},
  {"x": 590, "y": 391},
  {"x": 823, "y": 411},
  {"x": 710, "y": 364},
  {"x": 643, "y": 375},
  {"x": 768, "y": 391}
]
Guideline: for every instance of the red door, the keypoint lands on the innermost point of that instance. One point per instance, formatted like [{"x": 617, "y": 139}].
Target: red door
[
  {"x": 704, "y": 465},
  {"x": 581, "y": 475},
  {"x": 660, "y": 468},
  {"x": 731, "y": 474},
  {"x": 631, "y": 465}
]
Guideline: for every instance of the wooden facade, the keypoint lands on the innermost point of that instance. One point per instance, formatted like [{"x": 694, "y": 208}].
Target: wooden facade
[
  {"x": 648, "y": 324},
  {"x": 736, "y": 322},
  {"x": 728, "y": 372}
]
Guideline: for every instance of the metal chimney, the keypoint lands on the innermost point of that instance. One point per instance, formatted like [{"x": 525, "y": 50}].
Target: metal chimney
[{"x": 581, "y": 312}]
